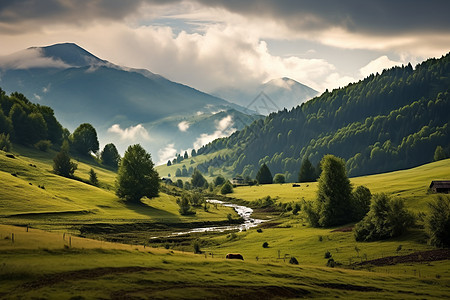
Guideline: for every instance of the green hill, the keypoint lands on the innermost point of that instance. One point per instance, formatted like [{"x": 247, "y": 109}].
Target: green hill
[{"x": 389, "y": 121}]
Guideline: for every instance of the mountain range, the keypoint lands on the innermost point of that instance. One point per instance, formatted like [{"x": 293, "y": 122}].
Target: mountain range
[
  {"x": 274, "y": 95},
  {"x": 125, "y": 105}
]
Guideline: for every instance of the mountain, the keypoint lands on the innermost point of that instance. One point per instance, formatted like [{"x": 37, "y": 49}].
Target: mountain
[
  {"x": 387, "y": 122},
  {"x": 269, "y": 97},
  {"x": 116, "y": 100}
]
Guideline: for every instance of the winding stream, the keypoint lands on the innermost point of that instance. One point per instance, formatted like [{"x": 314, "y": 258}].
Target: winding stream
[{"x": 243, "y": 211}]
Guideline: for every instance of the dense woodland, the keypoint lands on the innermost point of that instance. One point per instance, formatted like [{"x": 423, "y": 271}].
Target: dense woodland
[
  {"x": 385, "y": 122},
  {"x": 28, "y": 123}
]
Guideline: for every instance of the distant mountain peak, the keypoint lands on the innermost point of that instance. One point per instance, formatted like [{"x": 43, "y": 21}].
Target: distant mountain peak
[{"x": 71, "y": 54}]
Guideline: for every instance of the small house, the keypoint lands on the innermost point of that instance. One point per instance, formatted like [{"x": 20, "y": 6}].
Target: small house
[
  {"x": 440, "y": 186},
  {"x": 237, "y": 181}
]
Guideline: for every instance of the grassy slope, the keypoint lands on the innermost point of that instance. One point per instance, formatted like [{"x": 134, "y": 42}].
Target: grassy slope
[
  {"x": 68, "y": 200},
  {"x": 40, "y": 257},
  {"x": 411, "y": 184},
  {"x": 92, "y": 269}
]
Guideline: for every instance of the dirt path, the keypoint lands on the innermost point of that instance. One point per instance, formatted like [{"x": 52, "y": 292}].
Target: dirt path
[{"x": 422, "y": 256}]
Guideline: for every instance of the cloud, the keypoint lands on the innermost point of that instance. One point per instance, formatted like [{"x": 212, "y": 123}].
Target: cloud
[
  {"x": 183, "y": 126},
  {"x": 166, "y": 153},
  {"x": 30, "y": 58},
  {"x": 378, "y": 65},
  {"x": 224, "y": 127},
  {"x": 132, "y": 133}
]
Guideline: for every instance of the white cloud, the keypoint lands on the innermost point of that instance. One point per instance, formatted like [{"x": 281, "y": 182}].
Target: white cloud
[
  {"x": 224, "y": 127},
  {"x": 183, "y": 126},
  {"x": 30, "y": 58},
  {"x": 166, "y": 154},
  {"x": 132, "y": 133},
  {"x": 378, "y": 65}
]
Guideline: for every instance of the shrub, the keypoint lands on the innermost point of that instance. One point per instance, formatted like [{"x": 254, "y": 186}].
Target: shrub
[
  {"x": 293, "y": 261},
  {"x": 327, "y": 254},
  {"x": 5, "y": 142},
  {"x": 265, "y": 245},
  {"x": 43, "y": 145},
  {"x": 331, "y": 263},
  {"x": 386, "y": 218},
  {"x": 185, "y": 206},
  {"x": 437, "y": 223},
  {"x": 196, "y": 246},
  {"x": 279, "y": 178}
]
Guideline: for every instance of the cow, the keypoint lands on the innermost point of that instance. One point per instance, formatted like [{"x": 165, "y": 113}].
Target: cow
[{"x": 234, "y": 256}]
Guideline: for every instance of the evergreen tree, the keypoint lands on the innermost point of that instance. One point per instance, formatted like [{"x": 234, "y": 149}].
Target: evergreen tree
[
  {"x": 197, "y": 179},
  {"x": 193, "y": 153},
  {"x": 178, "y": 172},
  {"x": 110, "y": 156},
  {"x": 264, "y": 176},
  {"x": 61, "y": 162},
  {"x": 93, "y": 177},
  {"x": 136, "y": 176},
  {"x": 227, "y": 188},
  {"x": 169, "y": 163},
  {"x": 185, "y": 156},
  {"x": 307, "y": 172},
  {"x": 334, "y": 194}
]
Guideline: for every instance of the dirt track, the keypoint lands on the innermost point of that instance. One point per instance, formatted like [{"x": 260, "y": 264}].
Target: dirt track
[{"x": 422, "y": 256}]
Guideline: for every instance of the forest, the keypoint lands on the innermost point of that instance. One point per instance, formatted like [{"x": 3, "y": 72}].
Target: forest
[{"x": 385, "y": 122}]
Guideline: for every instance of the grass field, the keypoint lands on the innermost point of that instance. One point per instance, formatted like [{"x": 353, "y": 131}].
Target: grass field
[
  {"x": 411, "y": 185},
  {"x": 92, "y": 270},
  {"x": 61, "y": 265}
]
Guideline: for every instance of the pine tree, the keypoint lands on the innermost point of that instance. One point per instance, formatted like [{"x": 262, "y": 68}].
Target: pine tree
[{"x": 264, "y": 176}]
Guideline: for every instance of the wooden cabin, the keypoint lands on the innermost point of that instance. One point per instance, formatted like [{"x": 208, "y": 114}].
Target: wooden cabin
[{"x": 440, "y": 186}]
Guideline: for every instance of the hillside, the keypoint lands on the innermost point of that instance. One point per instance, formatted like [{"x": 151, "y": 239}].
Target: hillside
[{"x": 386, "y": 122}]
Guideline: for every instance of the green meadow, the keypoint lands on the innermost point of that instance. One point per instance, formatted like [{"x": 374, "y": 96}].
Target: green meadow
[{"x": 52, "y": 259}]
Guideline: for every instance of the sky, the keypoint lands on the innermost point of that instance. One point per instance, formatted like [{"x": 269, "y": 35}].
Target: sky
[{"x": 211, "y": 44}]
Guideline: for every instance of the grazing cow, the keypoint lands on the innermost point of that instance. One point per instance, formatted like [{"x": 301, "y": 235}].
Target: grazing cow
[{"x": 234, "y": 256}]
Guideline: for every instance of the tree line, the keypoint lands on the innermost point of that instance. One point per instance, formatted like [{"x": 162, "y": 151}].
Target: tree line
[{"x": 388, "y": 121}]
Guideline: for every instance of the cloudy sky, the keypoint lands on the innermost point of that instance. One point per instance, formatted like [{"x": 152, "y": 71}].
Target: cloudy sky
[{"x": 217, "y": 43}]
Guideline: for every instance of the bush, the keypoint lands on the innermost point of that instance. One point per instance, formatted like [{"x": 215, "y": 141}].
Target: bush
[
  {"x": 331, "y": 263},
  {"x": 185, "y": 206},
  {"x": 438, "y": 222},
  {"x": 196, "y": 246},
  {"x": 5, "y": 142},
  {"x": 227, "y": 188},
  {"x": 265, "y": 245},
  {"x": 386, "y": 218},
  {"x": 279, "y": 178},
  {"x": 327, "y": 254},
  {"x": 293, "y": 261},
  {"x": 43, "y": 145}
]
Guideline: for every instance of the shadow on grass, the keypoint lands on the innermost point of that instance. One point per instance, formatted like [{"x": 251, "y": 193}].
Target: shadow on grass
[{"x": 151, "y": 212}]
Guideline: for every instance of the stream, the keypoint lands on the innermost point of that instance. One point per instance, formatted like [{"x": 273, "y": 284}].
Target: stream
[{"x": 243, "y": 211}]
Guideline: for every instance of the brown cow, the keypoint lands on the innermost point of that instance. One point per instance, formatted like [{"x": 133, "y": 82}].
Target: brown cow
[{"x": 234, "y": 256}]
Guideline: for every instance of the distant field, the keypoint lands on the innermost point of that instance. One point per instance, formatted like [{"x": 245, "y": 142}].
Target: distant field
[{"x": 411, "y": 184}]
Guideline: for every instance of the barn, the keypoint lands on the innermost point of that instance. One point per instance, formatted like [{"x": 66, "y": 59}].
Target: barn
[{"x": 440, "y": 186}]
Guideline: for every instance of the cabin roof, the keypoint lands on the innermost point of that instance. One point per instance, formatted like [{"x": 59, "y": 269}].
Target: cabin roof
[{"x": 440, "y": 184}]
